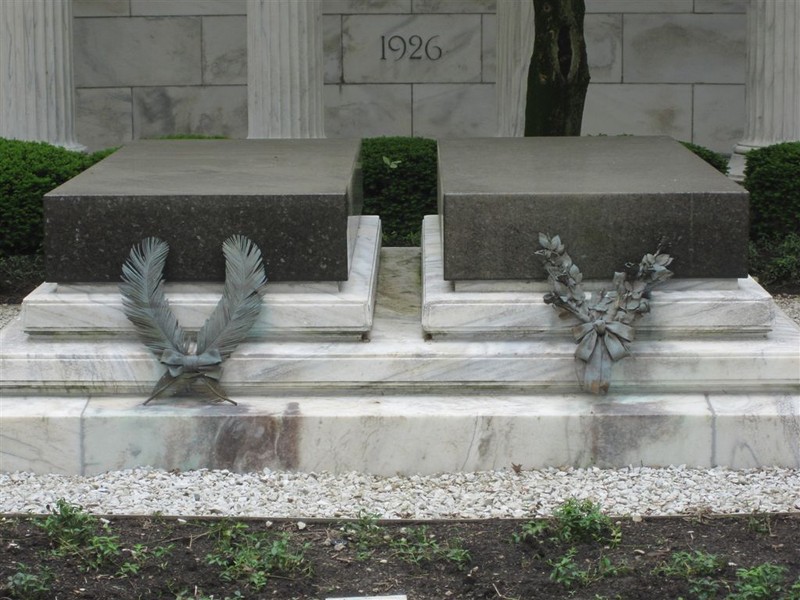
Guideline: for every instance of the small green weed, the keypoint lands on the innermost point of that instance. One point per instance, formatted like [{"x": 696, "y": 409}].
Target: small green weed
[
  {"x": 365, "y": 533},
  {"x": 794, "y": 591},
  {"x": 530, "y": 531},
  {"x": 418, "y": 546},
  {"x": 27, "y": 584},
  {"x": 68, "y": 525},
  {"x": 690, "y": 565},
  {"x": 100, "y": 551},
  {"x": 76, "y": 532},
  {"x": 573, "y": 521},
  {"x": 760, "y": 524},
  {"x": 762, "y": 582},
  {"x": 606, "y": 568},
  {"x": 582, "y": 521},
  {"x": 704, "y": 588},
  {"x": 456, "y": 553},
  {"x": 567, "y": 572},
  {"x": 255, "y": 557},
  {"x": 698, "y": 568},
  {"x": 141, "y": 555}
]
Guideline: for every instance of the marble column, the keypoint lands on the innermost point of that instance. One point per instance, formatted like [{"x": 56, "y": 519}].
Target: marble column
[
  {"x": 772, "y": 85},
  {"x": 285, "y": 69},
  {"x": 36, "y": 86},
  {"x": 514, "y": 49}
]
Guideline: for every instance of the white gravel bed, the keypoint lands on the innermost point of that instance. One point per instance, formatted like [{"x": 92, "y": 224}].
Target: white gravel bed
[
  {"x": 790, "y": 305},
  {"x": 8, "y": 312},
  {"x": 491, "y": 494}
]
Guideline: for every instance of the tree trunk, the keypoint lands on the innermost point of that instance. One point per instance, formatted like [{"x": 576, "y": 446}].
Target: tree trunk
[{"x": 558, "y": 76}]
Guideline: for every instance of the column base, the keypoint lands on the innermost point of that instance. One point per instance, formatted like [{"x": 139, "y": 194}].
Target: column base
[{"x": 738, "y": 162}]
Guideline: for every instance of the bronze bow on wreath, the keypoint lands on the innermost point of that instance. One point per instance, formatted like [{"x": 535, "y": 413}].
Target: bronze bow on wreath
[
  {"x": 613, "y": 335},
  {"x": 606, "y": 330},
  {"x": 146, "y": 306}
]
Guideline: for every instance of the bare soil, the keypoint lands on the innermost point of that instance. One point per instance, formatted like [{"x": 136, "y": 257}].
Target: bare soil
[{"x": 169, "y": 558}]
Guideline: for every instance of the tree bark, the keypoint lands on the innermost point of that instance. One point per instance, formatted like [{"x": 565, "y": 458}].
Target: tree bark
[{"x": 558, "y": 76}]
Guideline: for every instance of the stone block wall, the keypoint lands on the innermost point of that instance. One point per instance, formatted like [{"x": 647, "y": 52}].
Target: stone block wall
[{"x": 145, "y": 68}]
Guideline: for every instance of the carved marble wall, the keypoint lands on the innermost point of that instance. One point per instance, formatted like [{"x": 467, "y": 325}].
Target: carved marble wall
[{"x": 153, "y": 67}]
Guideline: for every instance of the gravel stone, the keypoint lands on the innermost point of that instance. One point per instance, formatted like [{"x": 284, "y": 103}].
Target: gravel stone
[{"x": 631, "y": 492}]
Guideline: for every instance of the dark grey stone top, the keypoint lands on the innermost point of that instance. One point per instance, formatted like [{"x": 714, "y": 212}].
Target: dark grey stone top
[
  {"x": 220, "y": 167},
  {"x": 291, "y": 197},
  {"x": 611, "y": 199}
]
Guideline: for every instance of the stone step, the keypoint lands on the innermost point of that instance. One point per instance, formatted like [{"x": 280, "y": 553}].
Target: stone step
[
  {"x": 399, "y": 434},
  {"x": 400, "y": 358},
  {"x": 402, "y": 403},
  {"x": 32, "y": 365}
]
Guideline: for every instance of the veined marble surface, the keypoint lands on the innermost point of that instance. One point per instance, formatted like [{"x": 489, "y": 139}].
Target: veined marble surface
[
  {"x": 682, "y": 308},
  {"x": 399, "y": 358},
  {"x": 389, "y": 435},
  {"x": 411, "y": 48},
  {"x": 402, "y": 403},
  {"x": 315, "y": 308}
]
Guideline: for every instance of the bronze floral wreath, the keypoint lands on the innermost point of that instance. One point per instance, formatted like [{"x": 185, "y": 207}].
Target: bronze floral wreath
[{"x": 606, "y": 329}]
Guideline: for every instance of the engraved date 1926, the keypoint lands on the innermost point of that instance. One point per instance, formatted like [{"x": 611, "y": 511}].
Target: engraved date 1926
[{"x": 412, "y": 47}]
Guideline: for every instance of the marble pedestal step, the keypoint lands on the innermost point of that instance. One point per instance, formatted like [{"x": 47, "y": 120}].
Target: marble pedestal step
[
  {"x": 399, "y": 360},
  {"x": 400, "y": 434},
  {"x": 680, "y": 308},
  {"x": 289, "y": 308},
  {"x": 401, "y": 402}
]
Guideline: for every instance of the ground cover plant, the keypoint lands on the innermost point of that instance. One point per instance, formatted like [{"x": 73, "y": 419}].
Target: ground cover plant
[{"x": 579, "y": 553}]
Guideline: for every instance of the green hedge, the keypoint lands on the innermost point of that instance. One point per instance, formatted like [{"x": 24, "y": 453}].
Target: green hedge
[
  {"x": 399, "y": 185},
  {"x": 715, "y": 159},
  {"x": 776, "y": 262},
  {"x": 772, "y": 176},
  {"x": 28, "y": 170}
]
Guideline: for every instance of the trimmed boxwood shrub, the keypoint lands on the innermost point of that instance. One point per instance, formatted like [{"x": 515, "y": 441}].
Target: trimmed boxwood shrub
[
  {"x": 715, "y": 159},
  {"x": 399, "y": 185},
  {"x": 776, "y": 262},
  {"x": 28, "y": 170},
  {"x": 772, "y": 176}
]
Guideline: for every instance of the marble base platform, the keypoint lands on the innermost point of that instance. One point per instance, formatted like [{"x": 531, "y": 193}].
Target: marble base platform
[
  {"x": 681, "y": 308},
  {"x": 289, "y": 308},
  {"x": 401, "y": 402},
  {"x": 389, "y": 435}
]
